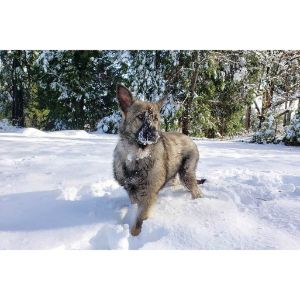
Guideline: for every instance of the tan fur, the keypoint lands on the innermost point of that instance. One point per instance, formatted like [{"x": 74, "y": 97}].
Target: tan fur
[{"x": 143, "y": 170}]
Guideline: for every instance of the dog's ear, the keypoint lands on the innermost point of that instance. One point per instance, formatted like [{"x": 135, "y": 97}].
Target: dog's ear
[
  {"x": 124, "y": 97},
  {"x": 162, "y": 102}
]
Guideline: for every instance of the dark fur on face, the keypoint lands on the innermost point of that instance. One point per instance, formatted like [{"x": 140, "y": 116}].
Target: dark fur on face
[{"x": 148, "y": 132}]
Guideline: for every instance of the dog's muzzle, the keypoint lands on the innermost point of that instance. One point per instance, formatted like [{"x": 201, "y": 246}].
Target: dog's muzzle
[{"x": 147, "y": 135}]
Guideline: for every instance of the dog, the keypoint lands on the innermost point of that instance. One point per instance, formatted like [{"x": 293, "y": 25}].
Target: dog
[{"x": 146, "y": 159}]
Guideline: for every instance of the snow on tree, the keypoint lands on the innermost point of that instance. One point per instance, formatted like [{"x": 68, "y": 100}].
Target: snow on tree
[
  {"x": 109, "y": 124},
  {"x": 278, "y": 84},
  {"x": 267, "y": 132},
  {"x": 6, "y": 126},
  {"x": 292, "y": 131},
  {"x": 211, "y": 93}
]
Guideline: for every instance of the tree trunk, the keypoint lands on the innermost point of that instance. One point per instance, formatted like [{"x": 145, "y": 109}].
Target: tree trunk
[
  {"x": 17, "y": 94},
  {"x": 266, "y": 103},
  {"x": 186, "y": 117},
  {"x": 289, "y": 114},
  {"x": 166, "y": 125},
  {"x": 267, "y": 99},
  {"x": 248, "y": 118},
  {"x": 285, "y": 116},
  {"x": 80, "y": 114}
]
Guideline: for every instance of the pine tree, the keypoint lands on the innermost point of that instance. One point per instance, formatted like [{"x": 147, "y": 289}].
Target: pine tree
[
  {"x": 78, "y": 87},
  {"x": 211, "y": 93},
  {"x": 16, "y": 82}
]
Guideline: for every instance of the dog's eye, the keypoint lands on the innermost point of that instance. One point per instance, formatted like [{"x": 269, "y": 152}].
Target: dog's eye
[
  {"x": 141, "y": 116},
  {"x": 155, "y": 118}
]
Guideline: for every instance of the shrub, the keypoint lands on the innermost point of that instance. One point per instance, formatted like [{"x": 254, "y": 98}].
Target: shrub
[
  {"x": 267, "y": 132},
  {"x": 292, "y": 131},
  {"x": 109, "y": 124}
]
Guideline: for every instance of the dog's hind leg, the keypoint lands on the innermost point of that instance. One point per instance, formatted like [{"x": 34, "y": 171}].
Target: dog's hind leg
[{"x": 187, "y": 173}]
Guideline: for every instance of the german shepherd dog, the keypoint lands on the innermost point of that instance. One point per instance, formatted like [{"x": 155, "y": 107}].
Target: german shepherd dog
[{"x": 145, "y": 158}]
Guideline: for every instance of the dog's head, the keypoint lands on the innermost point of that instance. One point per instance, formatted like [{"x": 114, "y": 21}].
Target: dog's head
[{"x": 140, "y": 119}]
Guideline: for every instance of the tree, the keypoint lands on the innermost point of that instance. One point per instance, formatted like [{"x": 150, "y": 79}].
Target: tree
[
  {"x": 278, "y": 86},
  {"x": 16, "y": 82},
  {"x": 201, "y": 83},
  {"x": 78, "y": 87},
  {"x": 211, "y": 93},
  {"x": 279, "y": 80}
]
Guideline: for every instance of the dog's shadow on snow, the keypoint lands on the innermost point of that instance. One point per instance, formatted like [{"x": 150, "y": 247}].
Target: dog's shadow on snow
[{"x": 44, "y": 210}]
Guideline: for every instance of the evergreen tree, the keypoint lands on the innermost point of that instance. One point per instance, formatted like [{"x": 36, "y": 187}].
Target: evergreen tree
[
  {"x": 16, "y": 84},
  {"x": 78, "y": 87},
  {"x": 211, "y": 93}
]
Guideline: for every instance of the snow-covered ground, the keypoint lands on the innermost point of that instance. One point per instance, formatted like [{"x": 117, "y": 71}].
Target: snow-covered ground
[{"x": 57, "y": 192}]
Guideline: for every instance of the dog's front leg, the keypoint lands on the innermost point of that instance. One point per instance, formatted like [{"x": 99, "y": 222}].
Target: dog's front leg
[{"x": 144, "y": 207}]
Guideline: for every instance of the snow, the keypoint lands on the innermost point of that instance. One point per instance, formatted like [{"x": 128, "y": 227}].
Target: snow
[
  {"x": 57, "y": 192},
  {"x": 240, "y": 74},
  {"x": 6, "y": 126}
]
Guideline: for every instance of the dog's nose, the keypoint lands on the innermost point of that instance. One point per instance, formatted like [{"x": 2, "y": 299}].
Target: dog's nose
[{"x": 153, "y": 134}]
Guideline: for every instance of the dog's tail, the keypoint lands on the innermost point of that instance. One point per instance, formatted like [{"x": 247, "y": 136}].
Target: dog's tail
[{"x": 201, "y": 181}]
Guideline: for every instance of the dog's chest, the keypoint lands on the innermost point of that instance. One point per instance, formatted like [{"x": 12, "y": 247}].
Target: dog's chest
[
  {"x": 138, "y": 163},
  {"x": 137, "y": 157}
]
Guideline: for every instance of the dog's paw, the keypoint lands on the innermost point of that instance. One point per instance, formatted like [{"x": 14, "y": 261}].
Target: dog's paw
[
  {"x": 198, "y": 195},
  {"x": 135, "y": 230}
]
